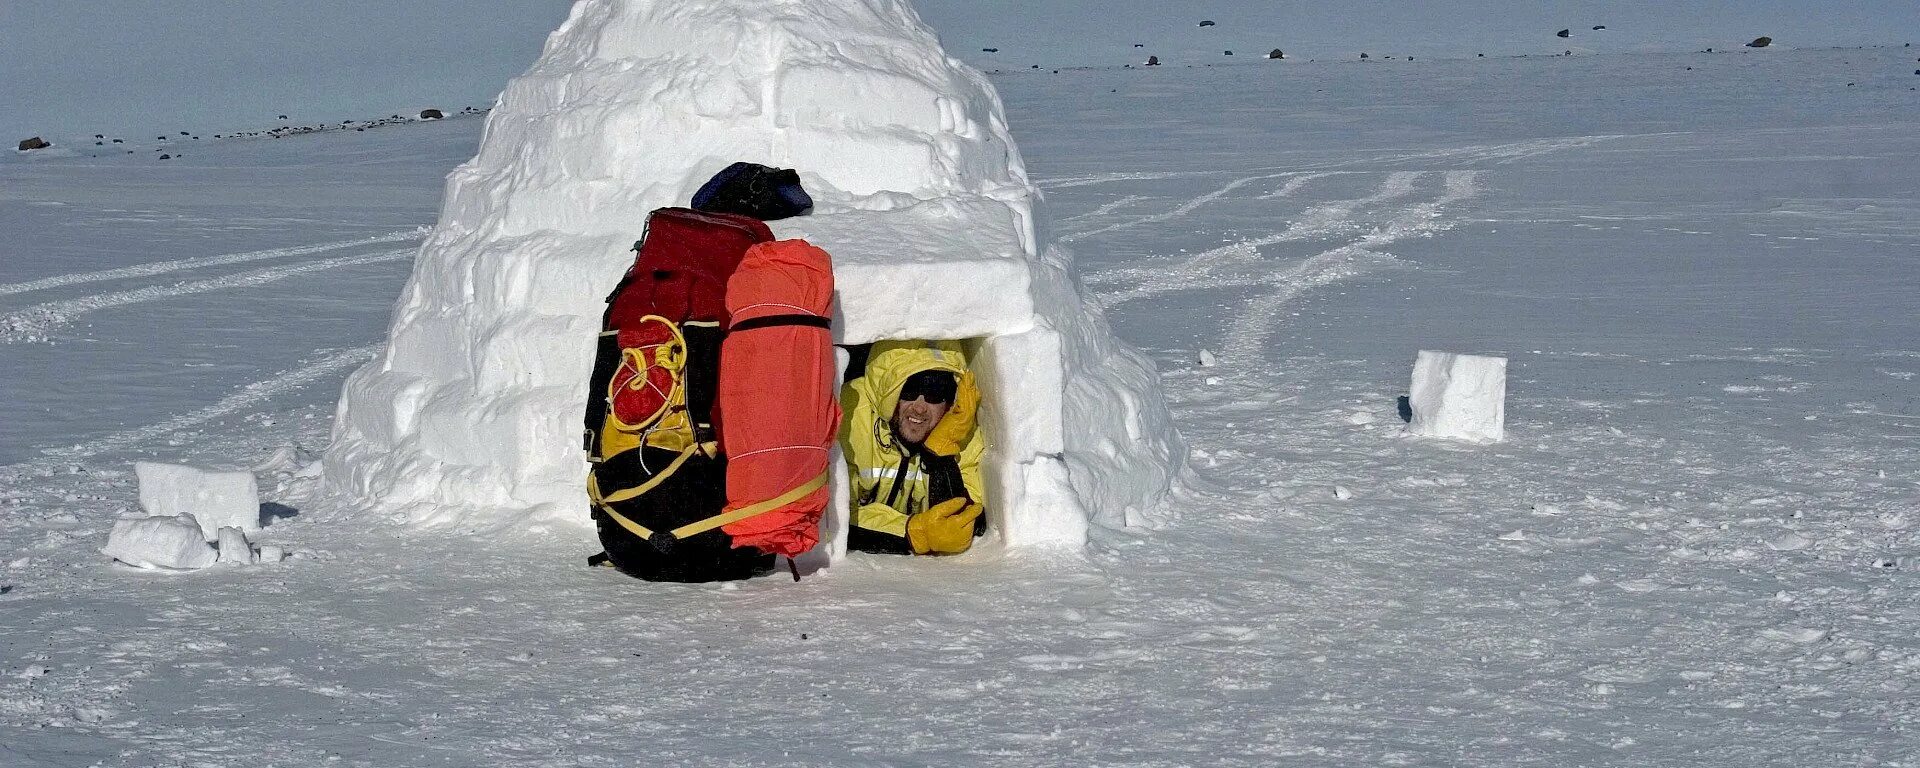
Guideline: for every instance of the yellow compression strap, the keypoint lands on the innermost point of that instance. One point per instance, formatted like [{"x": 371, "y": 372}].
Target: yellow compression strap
[
  {"x": 752, "y": 510},
  {"x": 632, "y": 527},
  {"x": 605, "y": 503},
  {"x": 620, "y": 496}
]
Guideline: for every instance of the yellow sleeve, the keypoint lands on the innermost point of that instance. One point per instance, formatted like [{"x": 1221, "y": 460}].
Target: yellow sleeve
[
  {"x": 970, "y": 468},
  {"x": 856, "y": 439}
]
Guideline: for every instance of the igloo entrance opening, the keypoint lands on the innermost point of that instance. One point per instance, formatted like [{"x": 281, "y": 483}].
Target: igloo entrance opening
[{"x": 885, "y": 438}]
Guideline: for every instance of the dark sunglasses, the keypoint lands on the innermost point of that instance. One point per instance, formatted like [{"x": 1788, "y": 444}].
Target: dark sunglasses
[{"x": 936, "y": 386}]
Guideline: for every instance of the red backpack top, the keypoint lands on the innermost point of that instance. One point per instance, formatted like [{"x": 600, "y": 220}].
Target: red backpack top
[
  {"x": 681, "y": 268},
  {"x": 657, "y": 369}
]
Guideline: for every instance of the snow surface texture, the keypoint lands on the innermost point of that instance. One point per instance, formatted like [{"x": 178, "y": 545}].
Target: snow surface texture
[
  {"x": 470, "y": 416},
  {"x": 1463, "y": 397},
  {"x": 217, "y": 499},
  {"x": 160, "y": 541},
  {"x": 1700, "y": 267}
]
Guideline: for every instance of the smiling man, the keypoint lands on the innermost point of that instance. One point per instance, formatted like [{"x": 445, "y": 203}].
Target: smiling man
[{"x": 913, "y": 453}]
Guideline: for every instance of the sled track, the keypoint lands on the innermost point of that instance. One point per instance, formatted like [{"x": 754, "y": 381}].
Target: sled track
[
  {"x": 243, "y": 399},
  {"x": 177, "y": 265},
  {"x": 36, "y": 322}
]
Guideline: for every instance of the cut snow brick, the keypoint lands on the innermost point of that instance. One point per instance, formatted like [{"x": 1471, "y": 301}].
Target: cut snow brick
[
  {"x": 1462, "y": 397},
  {"x": 472, "y": 414},
  {"x": 159, "y": 542},
  {"x": 214, "y": 497},
  {"x": 234, "y": 547}
]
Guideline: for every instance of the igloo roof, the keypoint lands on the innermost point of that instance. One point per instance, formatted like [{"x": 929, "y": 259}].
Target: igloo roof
[{"x": 635, "y": 103}]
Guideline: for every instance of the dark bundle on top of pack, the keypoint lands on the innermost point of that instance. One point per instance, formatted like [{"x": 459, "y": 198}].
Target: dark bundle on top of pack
[{"x": 749, "y": 189}]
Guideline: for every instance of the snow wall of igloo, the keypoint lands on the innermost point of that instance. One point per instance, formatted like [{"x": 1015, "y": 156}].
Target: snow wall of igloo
[{"x": 471, "y": 415}]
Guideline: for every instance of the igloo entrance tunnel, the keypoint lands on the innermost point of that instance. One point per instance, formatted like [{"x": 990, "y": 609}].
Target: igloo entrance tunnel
[{"x": 471, "y": 415}]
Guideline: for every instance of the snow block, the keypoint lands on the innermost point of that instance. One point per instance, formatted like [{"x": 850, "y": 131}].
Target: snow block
[
  {"x": 233, "y": 546},
  {"x": 1024, "y": 408},
  {"x": 471, "y": 416},
  {"x": 173, "y": 542},
  {"x": 215, "y": 498},
  {"x": 1461, "y": 397}
]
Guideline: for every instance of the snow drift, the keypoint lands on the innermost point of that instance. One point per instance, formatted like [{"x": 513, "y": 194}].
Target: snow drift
[{"x": 471, "y": 415}]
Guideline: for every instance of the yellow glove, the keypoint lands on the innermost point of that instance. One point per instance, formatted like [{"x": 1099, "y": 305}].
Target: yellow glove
[
  {"x": 947, "y": 529},
  {"x": 950, "y": 435}
]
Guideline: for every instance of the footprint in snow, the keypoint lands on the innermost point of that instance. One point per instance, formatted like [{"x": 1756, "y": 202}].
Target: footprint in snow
[
  {"x": 1789, "y": 543},
  {"x": 1795, "y": 635}
]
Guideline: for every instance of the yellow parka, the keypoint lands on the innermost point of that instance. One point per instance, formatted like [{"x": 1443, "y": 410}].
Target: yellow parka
[{"x": 876, "y": 462}]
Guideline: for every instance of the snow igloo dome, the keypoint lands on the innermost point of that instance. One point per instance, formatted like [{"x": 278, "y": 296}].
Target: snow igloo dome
[{"x": 472, "y": 414}]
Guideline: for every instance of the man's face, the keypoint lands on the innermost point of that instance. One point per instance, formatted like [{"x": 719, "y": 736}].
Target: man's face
[{"x": 914, "y": 419}]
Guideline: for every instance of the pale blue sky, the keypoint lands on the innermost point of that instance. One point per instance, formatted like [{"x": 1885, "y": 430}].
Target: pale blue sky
[{"x": 76, "y": 67}]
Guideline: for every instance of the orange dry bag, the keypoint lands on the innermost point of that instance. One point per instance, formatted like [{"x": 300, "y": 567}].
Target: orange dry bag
[{"x": 779, "y": 412}]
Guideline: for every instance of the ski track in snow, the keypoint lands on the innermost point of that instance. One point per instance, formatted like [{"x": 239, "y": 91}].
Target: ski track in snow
[
  {"x": 36, "y": 322},
  {"x": 1503, "y": 153},
  {"x": 1247, "y": 335},
  {"x": 1196, "y": 271},
  {"x": 1182, "y": 210},
  {"x": 1069, "y": 182},
  {"x": 1294, "y": 184},
  {"x": 245, "y": 398},
  {"x": 177, "y": 265},
  {"x": 1318, "y": 221},
  {"x": 1103, "y": 210}
]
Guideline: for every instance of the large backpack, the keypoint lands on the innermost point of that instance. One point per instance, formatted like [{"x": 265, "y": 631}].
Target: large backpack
[{"x": 651, "y": 408}]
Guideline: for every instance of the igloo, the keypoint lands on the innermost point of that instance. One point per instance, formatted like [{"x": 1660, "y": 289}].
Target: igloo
[{"x": 471, "y": 416}]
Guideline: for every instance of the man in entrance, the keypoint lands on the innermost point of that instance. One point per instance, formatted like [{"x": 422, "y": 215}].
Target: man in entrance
[{"x": 913, "y": 451}]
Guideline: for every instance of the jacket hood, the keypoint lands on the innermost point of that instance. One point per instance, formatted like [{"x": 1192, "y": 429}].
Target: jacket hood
[{"x": 891, "y": 363}]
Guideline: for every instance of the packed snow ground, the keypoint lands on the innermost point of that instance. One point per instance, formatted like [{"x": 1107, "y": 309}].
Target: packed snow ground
[{"x": 1696, "y": 546}]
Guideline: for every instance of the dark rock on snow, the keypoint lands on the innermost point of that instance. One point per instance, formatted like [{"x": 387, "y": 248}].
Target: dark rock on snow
[
  {"x": 1760, "y": 42},
  {"x": 1207, "y": 23},
  {"x": 1598, "y": 27},
  {"x": 33, "y": 143},
  {"x": 1153, "y": 61},
  {"x": 1276, "y": 54},
  {"x": 990, "y": 50},
  {"x": 431, "y": 114},
  {"x": 1564, "y": 33}
]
